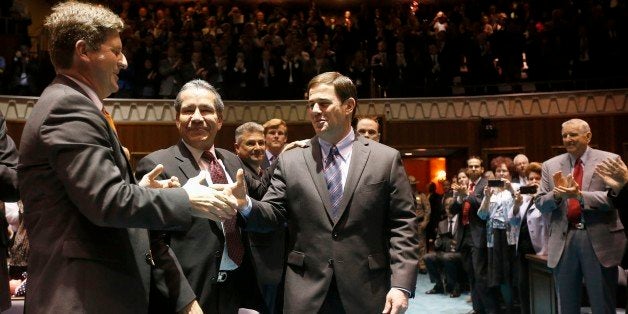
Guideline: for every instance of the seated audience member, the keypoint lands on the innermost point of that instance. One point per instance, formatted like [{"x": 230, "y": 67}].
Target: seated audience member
[
  {"x": 446, "y": 255},
  {"x": 496, "y": 209},
  {"x": 533, "y": 229}
]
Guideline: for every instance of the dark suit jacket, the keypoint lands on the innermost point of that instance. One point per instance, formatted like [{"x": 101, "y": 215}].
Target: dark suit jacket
[
  {"x": 371, "y": 246},
  {"x": 476, "y": 225},
  {"x": 82, "y": 209},
  {"x": 8, "y": 193},
  {"x": 199, "y": 249},
  {"x": 603, "y": 226},
  {"x": 444, "y": 238}
]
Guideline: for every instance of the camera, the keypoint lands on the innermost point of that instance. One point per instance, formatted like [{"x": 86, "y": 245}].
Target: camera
[
  {"x": 496, "y": 183},
  {"x": 528, "y": 189}
]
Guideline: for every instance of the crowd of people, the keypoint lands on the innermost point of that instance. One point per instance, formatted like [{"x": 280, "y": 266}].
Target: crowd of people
[
  {"x": 405, "y": 49},
  {"x": 331, "y": 224}
]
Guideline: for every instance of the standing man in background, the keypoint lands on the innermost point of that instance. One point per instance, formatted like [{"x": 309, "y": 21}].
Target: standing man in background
[
  {"x": 350, "y": 212},
  {"x": 587, "y": 239},
  {"x": 250, "y": 146},
  {"x": 276, "y": 135},
  {"x": 521, "y": 163},
  {"x": 368, "y": 127},
  {"x": 84, "y": 210}
]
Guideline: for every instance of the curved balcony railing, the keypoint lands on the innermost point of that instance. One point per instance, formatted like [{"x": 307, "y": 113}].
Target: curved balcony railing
[{"x": 589, "y": 102}]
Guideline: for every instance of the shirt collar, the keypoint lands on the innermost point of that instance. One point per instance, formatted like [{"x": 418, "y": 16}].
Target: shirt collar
[
  {"x": 90, "y": 92},
  {"x": 584, "y": 158},
  {"x": 344, "y": 146},
  {"x": 196, "y": 153},
  {"x": 269, "y": 155}
]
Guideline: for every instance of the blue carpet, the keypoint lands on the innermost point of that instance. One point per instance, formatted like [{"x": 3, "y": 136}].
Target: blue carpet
[{"x": 436, "y": 303}]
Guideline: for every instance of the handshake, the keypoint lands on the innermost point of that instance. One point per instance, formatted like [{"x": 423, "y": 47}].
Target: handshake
[{"x": 218, "y": 202}]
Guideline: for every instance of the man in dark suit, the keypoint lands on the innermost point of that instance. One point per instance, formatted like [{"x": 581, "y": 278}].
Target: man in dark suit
[
  {"x": 446, "y": 255},
  {"x": 83, "y": 207},
  {"x": 587, "y": 239},
  {"x": 267, "y": 249},
  {"x": 351, "y": 225},
  {"x": 215, "y": 257},
  {"x": 8, "y": 193},
  {"x": 468, "y": 200}
]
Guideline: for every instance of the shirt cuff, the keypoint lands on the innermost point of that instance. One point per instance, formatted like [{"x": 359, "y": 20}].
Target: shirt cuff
[
  {"x": 406, "y": 291},
  {"x": 246, "y": 211}
]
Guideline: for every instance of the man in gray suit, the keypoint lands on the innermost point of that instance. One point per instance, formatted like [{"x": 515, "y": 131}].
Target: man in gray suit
[
  {"x": 352, "y": 230},
  {"x": 586, "y": 235},
  {"x": 84, "y": 211}
]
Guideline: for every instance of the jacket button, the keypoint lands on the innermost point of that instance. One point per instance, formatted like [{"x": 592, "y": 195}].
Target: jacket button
[
  {"x": 149, "y": 259},
  {"x": 334, "y": 235},
  {"x": 217, "y": 254},
  {"x": 330, "y": 263}
]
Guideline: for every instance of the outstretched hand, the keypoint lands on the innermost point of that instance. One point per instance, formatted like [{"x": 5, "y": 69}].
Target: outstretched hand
[
  {"x": 236, "y": 191},
  {"x": 208, "y": 202},
  {"x": 149, "y": 180},
  {"x": 614, "y": 173}
]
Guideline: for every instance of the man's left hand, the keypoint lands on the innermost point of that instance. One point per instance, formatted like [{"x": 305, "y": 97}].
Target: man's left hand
[
  {"x": 396, "y": 302},
  {"x": 149, "y": 180}
]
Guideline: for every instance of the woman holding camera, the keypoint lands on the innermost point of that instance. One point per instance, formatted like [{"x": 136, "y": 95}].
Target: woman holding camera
[
  {"x": 533, "y": 227},
  {"x": 497, "y": 208}
]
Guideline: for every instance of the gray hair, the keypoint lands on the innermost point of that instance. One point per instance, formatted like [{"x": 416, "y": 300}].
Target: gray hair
[
  {"x": 520, "y": 156},
  {"x": 582, "y": 125},
  {"x": 72, "y": 21},
  {"x": 249, "y": 127},
  {"x": 200, "y": 84}
]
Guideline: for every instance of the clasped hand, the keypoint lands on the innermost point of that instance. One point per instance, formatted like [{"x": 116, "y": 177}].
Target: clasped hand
[
  {"x": 565, "y": 187},
  {"x": 218, "y": 202}
]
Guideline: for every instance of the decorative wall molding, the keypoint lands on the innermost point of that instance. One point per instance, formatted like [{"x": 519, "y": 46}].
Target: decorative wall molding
[{"x": 398, "y": 109}]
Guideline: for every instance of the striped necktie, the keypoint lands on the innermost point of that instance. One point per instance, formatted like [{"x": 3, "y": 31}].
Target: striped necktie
[{"x": 333, "y": 177}]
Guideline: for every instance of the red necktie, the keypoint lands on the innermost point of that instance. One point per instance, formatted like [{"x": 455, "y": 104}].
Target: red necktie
[
  {"x": 467, "y": 207},
  {"x": 235, "y": 248},
  {"x": 109, "y": 120},
  {"x": 573, "y": 205}
]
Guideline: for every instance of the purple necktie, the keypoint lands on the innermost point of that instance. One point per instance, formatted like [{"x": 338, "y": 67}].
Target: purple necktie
[{"x": 333, "y": 177}]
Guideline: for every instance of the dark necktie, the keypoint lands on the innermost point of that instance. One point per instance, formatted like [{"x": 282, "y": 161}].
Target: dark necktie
[
  {"x": 235, "y": 248},
  {"x": 573, "y": 205},
  {"x": 333, "y": 177},
  {"x": 450, "y": 229},
  {"x": 109, "y": 120},
  {"x": 467, "y": 207}
]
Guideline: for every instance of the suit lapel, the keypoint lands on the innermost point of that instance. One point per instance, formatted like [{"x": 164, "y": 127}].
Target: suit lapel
[
  {"x": 588, "y": 170},
  {"x": 187, "y": 164},
  {"x": 314, "y": 162},
  {"x": 565, "y": 167},
  {"x": 359, "y": 156},
  {"x": 231, "y": 165}
]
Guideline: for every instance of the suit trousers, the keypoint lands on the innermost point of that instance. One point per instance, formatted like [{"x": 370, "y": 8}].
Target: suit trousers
[
  {"x": 238, "y": 291},
  {"x": 486, "y": 299},
  {"x": 332, "y": 303},
  {"x": 577, "y": 261}
]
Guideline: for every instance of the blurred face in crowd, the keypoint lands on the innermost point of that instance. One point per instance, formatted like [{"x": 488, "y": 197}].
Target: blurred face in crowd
[
  {"x": 502, "y": 172},
  {"x": 474, "y": 169},
  {"x": 276, "y": 138},
  {"x": 575, "y": 138},
  {"x": 521, "y": 163},
  {"x": 198, "y": 120},
  {"x": 368, "y": 128},
  {"x": 534, "y": 178},
  {"x": 463, "y": 179},
  {"x": 251, "y": 147},
  {"x": 330, "y": 117}
]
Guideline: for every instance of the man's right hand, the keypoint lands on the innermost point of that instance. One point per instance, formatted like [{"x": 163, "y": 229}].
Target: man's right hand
[
  {"x": 192, "y": 308},
  {"x": 207, "y": 202}
]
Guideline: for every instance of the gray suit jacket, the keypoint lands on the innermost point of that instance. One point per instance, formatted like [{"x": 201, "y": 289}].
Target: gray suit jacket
[
  {"x": 82, "y": 210},
  {"x": 601, "y": 219},
  {"x": 371, "y": 246}
]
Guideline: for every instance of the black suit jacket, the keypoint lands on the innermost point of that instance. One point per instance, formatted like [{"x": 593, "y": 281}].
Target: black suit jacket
[
  {"x": 83, "y": 210},
  {"x": 477, "y": 226},
  {"x": 199, "y": 249}
]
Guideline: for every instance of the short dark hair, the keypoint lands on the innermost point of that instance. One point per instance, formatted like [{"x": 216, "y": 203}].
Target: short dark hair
[{"x": 343, "y": 86}]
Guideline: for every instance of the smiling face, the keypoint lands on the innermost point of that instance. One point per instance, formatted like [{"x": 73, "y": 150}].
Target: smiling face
[
  {"x": 103, "y": 66},
  {"x": 575, "y": 138},
  {"x": 330, "y": 117},
  {"x": 198, "y": 120},
  {"x": 474, "y": 169},
  {"x": 251, "y": 148},
  {"x": 501, "y": 172}
]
